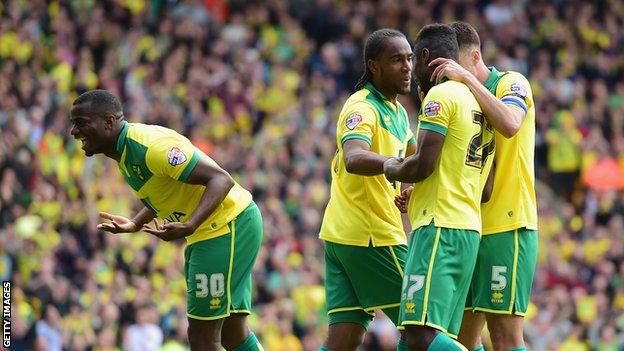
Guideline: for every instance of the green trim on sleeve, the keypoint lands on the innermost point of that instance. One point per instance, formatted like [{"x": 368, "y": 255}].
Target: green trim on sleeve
[
  {"x": 189, "y": 168},
  {"x": 434, "y": 127},
  {"x": 366, "y": 138},
  {"x": 411, "y": 141}
]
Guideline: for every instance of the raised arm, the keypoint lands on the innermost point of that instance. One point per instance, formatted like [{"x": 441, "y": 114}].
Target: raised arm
[{"x": 506, "y": 118}]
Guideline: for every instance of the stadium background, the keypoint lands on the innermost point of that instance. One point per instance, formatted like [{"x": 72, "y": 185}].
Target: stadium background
[{"x": 257, "y": 85}]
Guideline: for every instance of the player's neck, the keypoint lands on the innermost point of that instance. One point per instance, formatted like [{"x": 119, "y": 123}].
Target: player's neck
[
  {"x": 111, "y": 149},
  {"x": 482, "y": 72},
  {"x": 389, "y": 94}
]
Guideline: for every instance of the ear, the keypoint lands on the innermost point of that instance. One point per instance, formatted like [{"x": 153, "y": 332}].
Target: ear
[
  {"x": 424, "y": 55},
  {"x": 476, "y": 55},
  {"x": 109, "y": 122},
  {"x": 373, "y": 66}
]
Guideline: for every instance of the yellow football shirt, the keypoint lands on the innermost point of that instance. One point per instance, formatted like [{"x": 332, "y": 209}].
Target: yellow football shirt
[
  {"x": 451, "y": 195},
  {"x": 361, "y": 209},
  {"x": 155, "y": 162},
  {"x": 513, "y": 203}
]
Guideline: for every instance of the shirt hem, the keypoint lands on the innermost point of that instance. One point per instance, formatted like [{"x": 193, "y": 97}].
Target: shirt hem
[
  {"x": 363, "y": 243},
  {"x": 506, "y": 228}
]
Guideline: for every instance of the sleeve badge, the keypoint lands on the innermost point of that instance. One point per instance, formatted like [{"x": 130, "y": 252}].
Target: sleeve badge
[
  {"x": 518, "y": 89},
  {"x": 353, "y": 120},
  {"x": 432, "y": 108},
  {"x": 176, "y": 156}
]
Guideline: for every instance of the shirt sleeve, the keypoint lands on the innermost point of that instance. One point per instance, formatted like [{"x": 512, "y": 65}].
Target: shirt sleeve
[
  {"x": 410, "y": 137},
  {"x": 438, "y": 107},
  {"x": 172, "y": 156},
  {"x": 357, "y": 122},
  {"x": 514, "y": 89}
]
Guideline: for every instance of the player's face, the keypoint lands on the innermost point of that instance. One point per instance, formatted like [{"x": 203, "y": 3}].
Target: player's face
[
  {"x": 466, "y": 60},
  {"x": 89, "y": 128},
  {"x": 422, "y": 71},
  {"x": 395, "y": 65}
]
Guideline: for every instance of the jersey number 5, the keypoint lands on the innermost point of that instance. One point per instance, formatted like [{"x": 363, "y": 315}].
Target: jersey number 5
[{"x": 478, "y": 151}]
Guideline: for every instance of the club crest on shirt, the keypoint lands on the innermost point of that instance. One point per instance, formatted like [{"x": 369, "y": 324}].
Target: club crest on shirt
[
  {"x": 432, "y": 108},
  {"x": 519, "y": 89},
  {"x": 353, "y": 120},
  {"x": 176, "y": 156}
]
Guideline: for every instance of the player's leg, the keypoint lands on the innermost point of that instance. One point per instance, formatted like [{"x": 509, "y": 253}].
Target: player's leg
[
  {"x": 246, "y": 231},
  {"x": 472, "y": 321},
  {"x": 204, "y": 335},
  {"x": 471, "y": 329},
  {"x": 506, "y": 331},
  {"x": 347, "y": 319},
  {"x": 437, "y": 276},
  {"x": 398, "y": 254},
  {"x": 507, "y": 269},
  {"x": 346, "y": 336}
]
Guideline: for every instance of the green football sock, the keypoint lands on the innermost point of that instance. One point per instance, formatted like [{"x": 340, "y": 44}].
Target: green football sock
[
  {"x": 402, "y": 345},
  {"x": 250, "y": 344},
  {"x": 443, "y": 342},
  {"x": 480, "y": 348}
]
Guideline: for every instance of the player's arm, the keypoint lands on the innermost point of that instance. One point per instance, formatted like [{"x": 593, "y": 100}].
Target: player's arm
[
  {"x": 505, "y": 118},
  {"x": 218, "y": 184},
  {"x": 489, "y": 186},
  {"x": 121, "y": 224},
  {"x": 411, "y": 148},
  {"x": 360, "y": 160},
  {"x": 419, "y": 166},
  {"x": 356, "y": 129}
]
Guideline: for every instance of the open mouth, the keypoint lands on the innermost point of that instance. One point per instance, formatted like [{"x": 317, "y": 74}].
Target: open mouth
[{"x": 83, "y": 140}]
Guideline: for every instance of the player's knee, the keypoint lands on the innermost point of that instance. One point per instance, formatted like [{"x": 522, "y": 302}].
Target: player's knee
[
  {"x": 349, "y": 343},
  {"x": 418, "y": 338},
  {"x": 504, "y": 338},
  {"x": 203, "y": 340}
]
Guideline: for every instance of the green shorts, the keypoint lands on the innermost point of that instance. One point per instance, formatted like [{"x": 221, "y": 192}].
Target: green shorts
[
  {"x": 218, "y": 271},
  {"x": 504, "y": 272},
  {"x": 437, "y": 277},
  {"x": 359, "y": 280}
]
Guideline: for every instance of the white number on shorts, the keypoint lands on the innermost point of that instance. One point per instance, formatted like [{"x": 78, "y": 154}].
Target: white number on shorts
[
  {"x": 202, "y": 285},
  {"x": 217, "y": 284},
  {"x": 417, "y": 283},
  {"x": 499, "y": 281}
]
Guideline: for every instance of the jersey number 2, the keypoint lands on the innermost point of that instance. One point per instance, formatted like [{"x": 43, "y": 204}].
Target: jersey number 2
[{"x": 478, "y": 152}]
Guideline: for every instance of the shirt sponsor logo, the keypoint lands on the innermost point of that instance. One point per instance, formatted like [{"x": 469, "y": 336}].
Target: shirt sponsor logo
[
  {"x": 353, "y": 120},
  {"x": 176, "y": 156},
  {"x": 518, "y": 89},
  {"x": 432, "y": 108}
]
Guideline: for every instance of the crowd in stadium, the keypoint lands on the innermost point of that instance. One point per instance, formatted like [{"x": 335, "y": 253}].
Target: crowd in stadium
[{"x": 258, "y": 86}]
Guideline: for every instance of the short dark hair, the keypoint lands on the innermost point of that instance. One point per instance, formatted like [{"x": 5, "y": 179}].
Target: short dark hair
[
  {"x": 101, "y": 101},
  {"x": 373, "y": 48},
  {"x": 466, "y": 35},
  {"x": 439, "y": 39}
]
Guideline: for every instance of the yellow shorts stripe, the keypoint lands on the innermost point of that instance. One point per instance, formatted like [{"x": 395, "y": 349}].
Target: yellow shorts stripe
[
  {"x": 514, "y": 271},
  {"x": 396, "y": 261},
  {"x": 429, "y": 271}
]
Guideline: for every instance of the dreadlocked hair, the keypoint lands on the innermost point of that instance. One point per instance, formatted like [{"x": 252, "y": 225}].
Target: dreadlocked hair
[{"x": 372, "y": 48}]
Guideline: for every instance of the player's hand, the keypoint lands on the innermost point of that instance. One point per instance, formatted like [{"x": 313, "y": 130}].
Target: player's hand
[
  {"x": 117, "y": 224},
  {"x": 449, "y": 69},
  {"x": 169, "y": 231},
  {"x": 402, "y": 199},
  {"x": 391, "y": 167}
]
